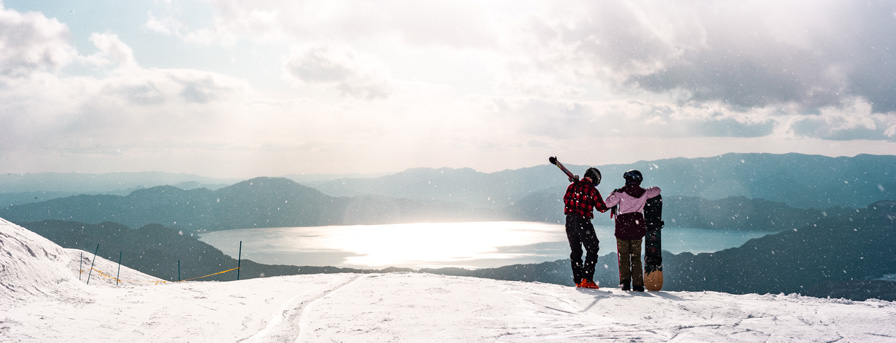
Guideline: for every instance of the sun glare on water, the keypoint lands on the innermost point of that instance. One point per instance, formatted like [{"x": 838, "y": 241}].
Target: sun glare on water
[
  {"x": 439, "y": 245},
  {"x": 428, "y": 243},
  {"x": 422, "y": 244}
]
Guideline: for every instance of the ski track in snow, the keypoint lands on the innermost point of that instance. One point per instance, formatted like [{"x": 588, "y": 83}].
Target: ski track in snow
[
  {"x": 288, "y": 323},
  {"x": 43, "y": 300}
]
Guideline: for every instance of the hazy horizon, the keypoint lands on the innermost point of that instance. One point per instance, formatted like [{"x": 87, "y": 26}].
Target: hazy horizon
[{"x": 337, "y": 174}]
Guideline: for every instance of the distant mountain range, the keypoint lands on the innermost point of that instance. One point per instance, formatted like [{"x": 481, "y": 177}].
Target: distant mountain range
[
  {"x": 260, "y": 202},
  {"x": 801, "y": 181},
  {"x": 835, "y": 223},
  {"x": 853, "y": 247},
  {"x": 111, "y": 183},
  {"x": 839, "y": 256},
  {"x": 733, "y": 191},
  {"x": 18, "y": 189},
  {"x": 279, "y": 202}
]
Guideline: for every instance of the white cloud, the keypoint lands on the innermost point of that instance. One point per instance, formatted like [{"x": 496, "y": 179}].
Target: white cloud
[
  {"x": 111, "y": 51},
  {"x": 31, "y": 42},
  {"x": 167, "y": 26},
  {"x": 854, "y": 122},
  {"x": 128, "y": 109},
  {"x": 230, "y": 23},
  {"x": 529, "y": 81},
  {"x": 176, "y": 87},
  {"x": 458, "y": 24},
  {"x": 551, "y": 118},
  {"x": 466, "y": 81},
  {"x": 341, "y": 67},
  {"x": 891, "y": 131},
  {"x": 810, "y": 53}
]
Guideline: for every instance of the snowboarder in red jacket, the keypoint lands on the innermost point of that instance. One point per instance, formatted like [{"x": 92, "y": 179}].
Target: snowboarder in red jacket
[
  {"x": 581, "y": 198},
  {"x": 631, "y": 227}
]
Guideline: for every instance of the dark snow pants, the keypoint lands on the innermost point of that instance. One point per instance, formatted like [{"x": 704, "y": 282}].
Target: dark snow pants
[{"x": 580, "y": 232}]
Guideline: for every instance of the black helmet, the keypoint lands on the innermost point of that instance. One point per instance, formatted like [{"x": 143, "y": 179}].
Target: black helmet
[
  {"x": 593, "y": 174},
  {"x": 633, "y": 177}
]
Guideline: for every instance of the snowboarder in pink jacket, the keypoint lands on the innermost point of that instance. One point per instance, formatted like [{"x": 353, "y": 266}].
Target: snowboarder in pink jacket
[{"x": 628, "y": 208}]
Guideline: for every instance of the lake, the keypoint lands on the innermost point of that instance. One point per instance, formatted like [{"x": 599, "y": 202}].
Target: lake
[{"x": 438, "y": 245}]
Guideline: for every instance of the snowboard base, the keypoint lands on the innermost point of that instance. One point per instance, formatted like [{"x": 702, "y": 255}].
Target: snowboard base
[
  {"x": 653, "y": 281},
  {"x": 653, "y": 249}
]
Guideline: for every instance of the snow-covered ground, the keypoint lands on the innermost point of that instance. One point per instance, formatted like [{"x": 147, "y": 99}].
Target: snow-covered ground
[{"x": 43, "y": 300}]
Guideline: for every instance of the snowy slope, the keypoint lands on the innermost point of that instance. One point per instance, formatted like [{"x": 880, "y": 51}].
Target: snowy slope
[
  {"x": 32, "y": 267},
  {"x": 42, "y": 300}
]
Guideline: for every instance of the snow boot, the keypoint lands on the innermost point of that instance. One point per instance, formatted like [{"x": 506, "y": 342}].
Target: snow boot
[
  {"x": 588, "y": 284},
  {"x": 626, "y": 285},
  {"x": 638, "y": 288}
]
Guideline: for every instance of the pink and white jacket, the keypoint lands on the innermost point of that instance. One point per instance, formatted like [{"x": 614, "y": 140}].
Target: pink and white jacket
[
  {"x": 630, "y": 223},
  {"x": 628, "y": 201}
]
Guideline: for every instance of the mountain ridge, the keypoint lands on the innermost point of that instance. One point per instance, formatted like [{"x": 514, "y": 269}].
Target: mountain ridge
[
  {"x": 821, "y": 182},
  {"x": 258, "y": 202},
  {"x": 279, "y": 202}
]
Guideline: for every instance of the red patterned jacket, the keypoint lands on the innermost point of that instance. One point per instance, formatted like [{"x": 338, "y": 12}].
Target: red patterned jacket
[{"x": 581, "y": 197}]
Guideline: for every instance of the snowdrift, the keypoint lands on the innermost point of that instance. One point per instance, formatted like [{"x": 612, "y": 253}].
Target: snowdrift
[
  {"x": 32, "y": 266},
  {"x": 43, "y": 300}
]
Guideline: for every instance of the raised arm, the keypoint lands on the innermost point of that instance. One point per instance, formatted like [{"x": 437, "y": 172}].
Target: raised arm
[{"x": 612, "y": 199}]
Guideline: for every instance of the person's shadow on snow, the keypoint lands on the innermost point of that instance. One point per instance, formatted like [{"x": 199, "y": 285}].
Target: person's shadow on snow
[{"x": 603, "y": 294}]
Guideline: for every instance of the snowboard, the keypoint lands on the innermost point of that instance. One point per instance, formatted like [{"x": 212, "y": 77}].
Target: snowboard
[{"x": 653, "y": 252}]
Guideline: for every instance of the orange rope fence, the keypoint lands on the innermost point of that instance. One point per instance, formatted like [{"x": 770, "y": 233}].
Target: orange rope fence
[{"x": 157, "y": 282}]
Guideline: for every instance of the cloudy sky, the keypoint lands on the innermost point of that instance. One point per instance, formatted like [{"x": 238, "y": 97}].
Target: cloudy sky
[{"x": 248, "y": 88}]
